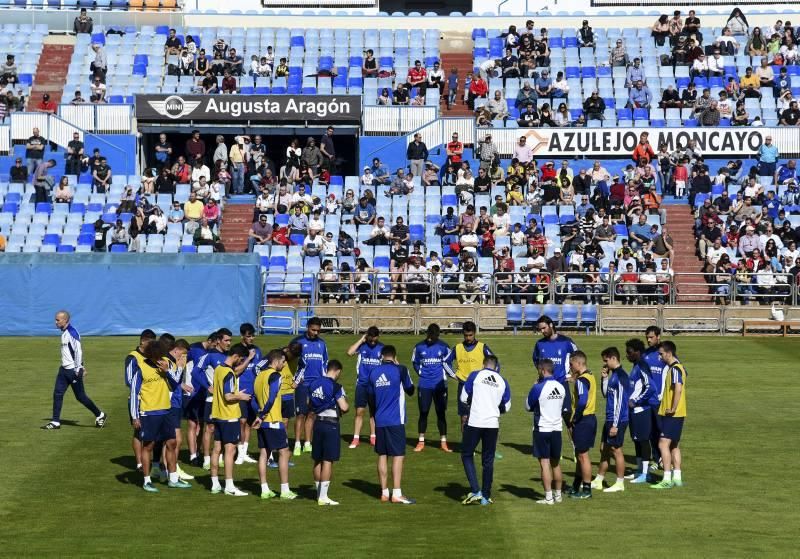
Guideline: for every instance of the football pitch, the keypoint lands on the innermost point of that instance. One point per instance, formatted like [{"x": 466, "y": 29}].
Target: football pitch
[{"x": 74, "y": 492}]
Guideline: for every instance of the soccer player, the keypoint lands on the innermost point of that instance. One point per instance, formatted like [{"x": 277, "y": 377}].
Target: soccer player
[
  {"x": 553, "y": 346},
  {"x": 269, "y": 423},
  {"x": 246, "y": 384},
  {"x": 151, "y": 391},
  {"x": 583, "y": 424},
  {"x": 195, "y": 405},
  {"x": 465, "y": 358},
  {"x": 368, "y": 349},
  {"x": 429, "y": 359},
  {"x": 311, "y": 364},
  {"x": 549, "y": 401},
  {"x": 132, "y": 361},
  {"x": 327, "y": 400},
  {"x": 657, "y": 366},
  {"x": 225, "y": 415},
  {"x": 71, "y": 374},
  {"x": 292, "y": 353},
  {"x": 486, "y": 395},
  {"x": 615, "y": 389},
  {"x": 641, "y": 400},
  {"x": 671, "y": 414},
  {"x": 387, "y": 382}
]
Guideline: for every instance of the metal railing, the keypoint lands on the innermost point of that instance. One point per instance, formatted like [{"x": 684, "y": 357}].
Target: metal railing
[
  {"x": 390, "y": 121},
  {"x": 102, "y": 119}
]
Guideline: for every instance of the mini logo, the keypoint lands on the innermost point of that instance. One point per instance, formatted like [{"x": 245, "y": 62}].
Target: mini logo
[
  {"x": 382, "y": 381},
  {"x": 174, "y": 107}
]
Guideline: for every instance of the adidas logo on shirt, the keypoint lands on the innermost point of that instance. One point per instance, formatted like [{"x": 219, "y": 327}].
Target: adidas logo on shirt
[
  {"x": 490, "y": 380},
  {"x": 382, "y": 381},
  {"x": 555, "y": 395},
  {"x": 318, "y": 393}
]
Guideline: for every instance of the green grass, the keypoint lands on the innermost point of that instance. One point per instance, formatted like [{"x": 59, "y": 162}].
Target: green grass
[{"x": 72, "y": 492}]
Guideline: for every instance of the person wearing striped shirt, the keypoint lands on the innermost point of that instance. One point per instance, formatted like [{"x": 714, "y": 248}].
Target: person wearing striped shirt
[
  {"x": 671, "y": 415},
  {"x": 615, "y": 388},
  {"x": 71, "y": 374},
  {"x": 132, "y": 361},
  {"x": 582, "y": 424},
  {"x": 486, "y": 395}
]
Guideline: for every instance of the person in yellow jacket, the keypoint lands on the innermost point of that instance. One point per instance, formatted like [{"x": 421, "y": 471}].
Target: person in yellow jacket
[
  {"x": 225, "y": 413},
  {"x": 671, "y": 415},
  {"x": 583, "y": 424},
  {"x": 465, "y": 358}
]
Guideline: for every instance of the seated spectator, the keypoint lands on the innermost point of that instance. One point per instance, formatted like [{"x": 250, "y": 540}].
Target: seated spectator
[
  {"x": 710, "y": 116},
  {"x": 101, "y": 176},
  {"x": 380, "y": 234},
  {"x": 175, "y": 214},
  {"x": 526, "y": 96},
  {"x": 399, "y": 186},
  {"x": 204, "y": 235},
  {"x": 660, "y": 30},
  {"x": 156, "y": 222},
  {"x": 544, "y": 85},
  {"x": 211, "y": 213},
  {"x": 401, "y": 96},
  {"x": 639, "y": 97},
  {"x": 312, "y": 244},
  {"x": 18, "y": 172},
  {"x": 364, "y": 212},
  {"x": 63, "y": 193},
  {"x": 670, "y": 98},
  {"x": 594, "y": 107},
  {"x": 586, "y": 35},
  {"x": 619, "y": 57},
  {"x": 509, "y": 65},
  {"x": 497, "y": 107},
  {"x": 193, "y": 211},
  {"x": 229, "y": 84},
  {"x": 120, "y": 236},
  {"x": 298, "y": 221},
  {"x": 791, "y": 116},
  {"x": 380, "y": 173}
]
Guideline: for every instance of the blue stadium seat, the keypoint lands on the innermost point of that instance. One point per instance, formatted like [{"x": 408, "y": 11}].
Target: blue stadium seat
[{"x": 514, "y": 316}]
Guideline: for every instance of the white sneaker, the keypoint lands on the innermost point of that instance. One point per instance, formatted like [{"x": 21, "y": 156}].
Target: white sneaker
[
  {"x": 221, "y": 461},
  {"x": 327, "y": 502},
  {"x": 548, "y": 502},
  {"x": 249, "y": 459},
  {"x": 617, "y": 487},
  {"x": 236, "y": 492},
  {"x": 558, "y": 498},
  {"x": 239, "y": 459},
  {"x": 183, "y": 476},
  {"x": 216, "y": 489},
  {"x": 630, "y": 476},
  {"x": 597, "y": 483}
]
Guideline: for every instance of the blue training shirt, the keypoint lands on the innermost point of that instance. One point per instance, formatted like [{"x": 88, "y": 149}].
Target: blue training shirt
[
  {"x": 247, "y": 379},
  {"x": 641, "y": 391},
  {"x": 196, "y": 352},
  {"x": 616, "y": 390},
  {"x": 558, "y": 351},
  {"x": 313, "y": 360},
  {"x": 323, "y": 393},
  {"x": 656, "y": 366},
  {"x": 367, "y": 358},
  {"x": 430, "y": 363},
  {"x": 387, "y": 382},
  {"x": 203, "y": 373}
]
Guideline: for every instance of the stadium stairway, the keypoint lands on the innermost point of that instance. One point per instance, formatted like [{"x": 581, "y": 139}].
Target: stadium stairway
[
  {"x": 237, "y": 217},
  {"x": 462, "y": 61},
  {"x": 51, "y": 74},
  {"x": 680, "y": 222}
]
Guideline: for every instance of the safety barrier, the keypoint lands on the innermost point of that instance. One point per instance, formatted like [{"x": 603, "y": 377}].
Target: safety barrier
[
  {"x": 389, "y": 121},
  {"x": 278, "y": 319},
  {"x": 101, "y": 119},
  {"x": 693, "y": 319}
]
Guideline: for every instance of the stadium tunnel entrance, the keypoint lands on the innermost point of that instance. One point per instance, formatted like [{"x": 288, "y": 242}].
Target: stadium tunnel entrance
[{"x": 277, "y": 139}]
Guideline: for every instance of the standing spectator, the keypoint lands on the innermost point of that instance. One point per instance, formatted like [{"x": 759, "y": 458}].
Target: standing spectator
[
  {"x": 487, "y": 152},
  {"x": 643, "y": 150},
  {"x": 163, "y": 150},
  {"x": 46, "y": 105},
  {"x": 328, "y": 151},
  {"x": 195, "y": 149},
  {"x": 767, "y": 158},
  {"x": 83, "y": 23},
  {"x": 311, "y": 156},
  {"x": 42, "y": 181},
  {"x": 75, "y": 155},
  {"x": 417, "y": 154},
  {"x": 99, "y": 65},
  {"x": 34, "y": 151}
]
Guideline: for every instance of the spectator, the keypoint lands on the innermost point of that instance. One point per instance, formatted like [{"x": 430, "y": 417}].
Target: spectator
[
  {"x": 380, "y": 234},
  {"x": 18, "y": 172},
  {"x": 417, "y": 154},
  {"x": 619, "y": 58},
  {"x": 430, "y": 176},
  {"x": 175, "y": 214},
  {"x": 369, "y": 66},
  {"x": 312, "y": 244},
  {"x": 670, "y": 98},
  {"x": 452, "y": 87},
  {"x": 43, "y": 182},
  {"x": 478, "y": 89},
  {"x": 529, "y": 117},
  {"x": 660, "y": 30},
  {"x": 594, "y": 107},
  {"x": 497, "y": 106},
  {"x": 211, "y": 213},
  {"x": 737, "y": 23},
  {"x": 204, "y": 235},
  {"x": 544, "y": 85},
  {"x": 83, "y": 23},
  {"x": 643, "y": 150},
  {"x": 193, "y": 211},
  {"x": 365, "y": 212},
  {"x": 767, "y": 158},
  {"x": 526, "y": 95},
  {"x": 46, "y": 105},
  {"x": 229, "y": 84},
  {"x": 99, "y": 65},
  {"x": 509, "y": 65},
  {"x": 639, "y": 97},
  {"x": 234, "y": 64},
  {"x": 345, "y": 245},
  {"x": 120, "y": 235},
  {"x": 417, "y": 77},
  {"x": 195, "y": 149},
  {"x": 454, "y": 150},
  {"x": 560, "y": 87},
  {"x": 34, "y": 151},
  {"x": 63, "y": 193},
  {"x": 710, "y": 116},
  {"x": 586, "y": 35},
  {"x": 469, "y": 284},
  {"x": 311, "y": 156},
  {"x": 791, "y": 115}
]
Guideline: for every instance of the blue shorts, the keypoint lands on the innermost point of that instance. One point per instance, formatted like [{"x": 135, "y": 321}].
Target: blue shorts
[
  {"x": 436, "y": 396},
  {"x": 463, "y": 409},
  {"x": 207, "y": 406},
  {"x": 617, "y": 440},
  {"x": 641, "y": 424},
  {"x": 670, "y": 427},
  {"x": 273, "y": 438},
  {"x": 584, "y": 433},
  {"x": 361, "y": 396},
  {"x": 390, "y": 441},
  {"x": 227, "y": 432},
  {"x": 287, "y": 406},
  {"x": 156, "y": 428},
  {"x": 325, "y": 442},
  {"x": 547, "y": 445},
  {"x": 247, "y": 412},
  {"x": 301, "y": 399},
  {"x": 175, "y": 416},
  {"x": 194, "y": 407}
]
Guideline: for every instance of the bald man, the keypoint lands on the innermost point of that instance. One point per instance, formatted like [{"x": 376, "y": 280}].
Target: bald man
[{"x": 71, "y": 374}]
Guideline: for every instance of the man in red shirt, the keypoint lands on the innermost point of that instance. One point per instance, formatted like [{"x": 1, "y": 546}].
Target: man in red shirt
[
  {"x": 46, "y": 105},
  {"x": 477, "y": 89},
  {"x": 195, "y": 147},
  {"x": 643, "y": 149},
  {"x": 455, "y": 150},
  {"x": 627, "y": 285},
  {"x": 417, "y": 77},
  {"x": 228, "y": 83}
]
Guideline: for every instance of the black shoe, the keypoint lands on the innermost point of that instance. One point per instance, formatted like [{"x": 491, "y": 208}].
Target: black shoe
[
  {"x": 582, "y": 494},
  {"x": 100, "y": 421},
  {"x": 571, "y": 490},
  {"x": 196, "y": 461}
]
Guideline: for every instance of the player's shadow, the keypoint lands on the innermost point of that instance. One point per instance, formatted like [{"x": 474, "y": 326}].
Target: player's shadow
[
  {"x": 131, "y": 477},
  {"x": 71, "y": 423},
  {"x": 127, "y": 462},
  {"x": 307, "y": 492},
  {"x": 369, "y": 488},
  {"x": 521, "y": 448},
  {"x": 454, "y": 491},
  {"x": 520, "y": 492}
]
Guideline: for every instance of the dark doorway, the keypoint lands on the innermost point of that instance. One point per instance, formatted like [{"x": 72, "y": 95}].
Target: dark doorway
[{"x": 441, "y": 7}]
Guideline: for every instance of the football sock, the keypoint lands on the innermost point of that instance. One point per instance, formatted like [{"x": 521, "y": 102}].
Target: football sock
[
  {"x": 323, "y": 489},
  {"x": 356, "y": 437},
  {"x": 214, "y": 481},
  {"x": 586, "y": 486},
  {"x": 173, "y": 477},
  {"x": 667, "y": 475},
  {"x": 138, "y": 466},
  {"x": 242, "y": 449},
  {"x": 676, "y": 475},
  {"x": 397, "y": 492},
  {"x": 284, "y": 487},
  {"x": 645, "y": 466},
  {"x": 146, "y": 480},
  {"x": 557, "y": 493},
  {"x": 317, "y": 486},
  {"x": 229, "y": 485},
  {"x": 385, "y": 492},
  {"x": 444, "y": 439},
  {"x": 600, "y": 477},
  {"x": 192, "y": 456},
  {"x": 548, "y": 495},
  {"x": 422, "y": 438},
  {"x": 265, "y": 487},
  {"x": 206, "y": 460}
]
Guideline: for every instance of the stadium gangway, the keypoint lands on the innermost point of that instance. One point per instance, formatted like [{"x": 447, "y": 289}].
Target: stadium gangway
[
  {"x": 526, "y": 288},
  {"x": 764, "y": 288}
]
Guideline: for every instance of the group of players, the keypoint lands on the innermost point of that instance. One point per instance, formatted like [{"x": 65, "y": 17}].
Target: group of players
[{"x": 227, "y": 392}]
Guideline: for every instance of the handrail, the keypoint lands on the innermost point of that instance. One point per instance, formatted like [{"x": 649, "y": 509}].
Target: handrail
[{"x": 403, "y": 137}]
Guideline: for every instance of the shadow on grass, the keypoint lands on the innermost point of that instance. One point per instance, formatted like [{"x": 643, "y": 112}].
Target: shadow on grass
[
  {"x": 128, "y": 462},
  {"x": 521, "y": 448},
  {"x": 454, "y": 491},
  {"x": 69, "y": 423},
  {"x": 520, "y": 492},
  {"x": 369, "y": 488},
  {"x": 130, "y": 478}
]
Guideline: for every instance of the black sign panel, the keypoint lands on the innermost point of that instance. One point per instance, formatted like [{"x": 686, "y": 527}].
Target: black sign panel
[{"x": 254, "y": 108}]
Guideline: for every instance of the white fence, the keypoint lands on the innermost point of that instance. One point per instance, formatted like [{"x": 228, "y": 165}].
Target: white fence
[{"x": 388, "y": 121}]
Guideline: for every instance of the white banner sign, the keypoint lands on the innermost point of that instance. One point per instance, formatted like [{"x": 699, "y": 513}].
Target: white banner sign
[{"x": 616, "y": 142}]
